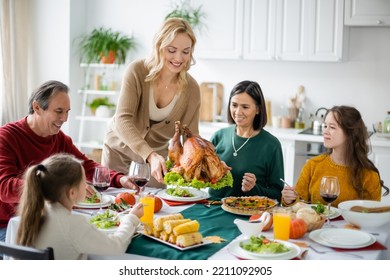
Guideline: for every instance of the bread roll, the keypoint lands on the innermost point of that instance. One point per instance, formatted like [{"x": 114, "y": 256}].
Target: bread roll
[
  {"x": 299, "y": 205},
  {"x": 308, "y": 214}
]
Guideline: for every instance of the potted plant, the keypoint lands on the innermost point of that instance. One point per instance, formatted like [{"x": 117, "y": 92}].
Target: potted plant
[
  {"x": 104, "y": 45},
  {"x": 183, "y": 9},
  {"x": 100, "y": 102}
]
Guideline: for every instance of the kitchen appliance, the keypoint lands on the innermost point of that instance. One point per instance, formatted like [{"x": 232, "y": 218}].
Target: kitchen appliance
[{"x": 318, "y": 123}]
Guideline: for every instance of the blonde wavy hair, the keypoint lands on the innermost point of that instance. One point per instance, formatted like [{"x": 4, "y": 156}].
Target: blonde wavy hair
[{"x": 167, "y": 33}]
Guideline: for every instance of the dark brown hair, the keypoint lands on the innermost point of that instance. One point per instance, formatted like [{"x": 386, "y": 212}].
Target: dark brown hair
[
  {"x": 357, "y": 145},
  {"x": 253, "y": 89}
]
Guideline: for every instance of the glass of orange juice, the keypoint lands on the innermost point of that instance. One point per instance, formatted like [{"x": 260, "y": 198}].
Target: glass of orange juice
[
  {"x": 282, "y": 220},
  {"x": 147, "y": 200}
]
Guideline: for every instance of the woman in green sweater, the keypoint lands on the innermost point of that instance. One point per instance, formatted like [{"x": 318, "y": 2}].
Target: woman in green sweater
[
  {"x": 254, "y": 154},
  {"x": 346, "y": 138}
]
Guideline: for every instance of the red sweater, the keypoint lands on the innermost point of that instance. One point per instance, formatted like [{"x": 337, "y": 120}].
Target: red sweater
[{"x": 20, "y": 147}]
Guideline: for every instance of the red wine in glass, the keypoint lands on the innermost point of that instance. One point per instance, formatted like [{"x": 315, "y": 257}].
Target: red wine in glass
[
  {"x": 101, "y": 187},
  {"x": 139, "y": 173},
  {"x": 101, "y": 181},
  {"x": 140, "y": 182},
  {"x": 329, "y": 191},
  {"x": 329, "y": 198}
]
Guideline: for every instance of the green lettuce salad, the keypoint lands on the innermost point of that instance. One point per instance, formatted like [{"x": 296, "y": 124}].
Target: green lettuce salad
[
  {"x": 103, "y": 220},
  {"x": 263, "y": 245},
  {"x": 174, "y": 178}
]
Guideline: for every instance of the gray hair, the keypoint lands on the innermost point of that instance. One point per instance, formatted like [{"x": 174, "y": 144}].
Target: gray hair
[{"x": 44, "y": 92}]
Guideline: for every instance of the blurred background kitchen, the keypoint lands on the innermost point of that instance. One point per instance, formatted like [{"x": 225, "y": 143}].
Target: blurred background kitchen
[{"x": 333, "y": 51}]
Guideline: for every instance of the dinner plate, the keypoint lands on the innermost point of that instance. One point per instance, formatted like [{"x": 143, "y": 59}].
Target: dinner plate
[
  {"x": 106, "y": 201},
  {"x": 235, "y": 249},
  {"x": 204, "y": 242},
  {"x": 342, "y": 238},
  {"x": 198, "y": 195},
  {"x": 266, "y": 255},
  {"x": 230, "y": 211},
  {"x": 334, "y": 212}
]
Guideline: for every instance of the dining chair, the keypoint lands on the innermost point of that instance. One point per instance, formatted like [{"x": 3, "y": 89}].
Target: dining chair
[{"x": 25, "y": 253}]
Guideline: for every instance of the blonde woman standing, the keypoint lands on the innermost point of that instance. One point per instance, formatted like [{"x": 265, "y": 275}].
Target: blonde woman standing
[{"x": 155, "y": 93}]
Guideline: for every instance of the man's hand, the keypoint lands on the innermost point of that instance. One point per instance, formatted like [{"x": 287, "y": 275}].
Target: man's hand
[{"x": 127, "y": 183}]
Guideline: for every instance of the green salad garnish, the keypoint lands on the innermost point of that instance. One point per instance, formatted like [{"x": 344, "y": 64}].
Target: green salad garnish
[
  {"x": 103, "y": 221},
  {"x": 173, "y": 178},
  {"x": 319, "y": 208},
  {"x": 178, "y": 191},
  {"x": 93, "y": 199},
  {"x": 263, "y": 245}
]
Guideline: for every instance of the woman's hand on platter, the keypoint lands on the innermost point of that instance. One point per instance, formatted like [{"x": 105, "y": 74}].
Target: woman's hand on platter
[
  {"x": 289, "y": 194},
  {"x": 248, "y": 182},
  {"x": 157, "y": 166}
]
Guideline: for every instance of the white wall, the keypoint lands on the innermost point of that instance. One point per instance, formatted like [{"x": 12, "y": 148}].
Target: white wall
[
  {"x": 48, "y": 41},
  {"x": 363, "y": 80}
]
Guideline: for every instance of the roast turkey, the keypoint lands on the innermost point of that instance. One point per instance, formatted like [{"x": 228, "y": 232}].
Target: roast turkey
[{"x": 195, "y": 157}]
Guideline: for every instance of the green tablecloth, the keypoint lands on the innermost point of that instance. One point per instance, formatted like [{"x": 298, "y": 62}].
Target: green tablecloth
[{"x": 213, "y": 221}]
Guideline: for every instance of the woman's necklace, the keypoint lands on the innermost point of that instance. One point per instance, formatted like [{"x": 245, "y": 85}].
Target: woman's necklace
[{"x": 234, "y": 147}]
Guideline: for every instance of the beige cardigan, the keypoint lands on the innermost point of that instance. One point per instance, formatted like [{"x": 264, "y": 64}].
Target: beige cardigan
[{"x": 130, "y": 135}]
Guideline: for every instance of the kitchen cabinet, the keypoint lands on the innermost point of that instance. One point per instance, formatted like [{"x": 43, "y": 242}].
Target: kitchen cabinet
[
  {"x": 101, "y": 80},
  {"x": 285, "y": 30},
  {"x": 381, "y": 158},
  {"x": 367, "y": 12}
]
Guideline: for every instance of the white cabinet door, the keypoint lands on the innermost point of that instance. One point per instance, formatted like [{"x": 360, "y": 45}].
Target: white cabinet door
[
  {"x": 325, "y": 31},
  {"x": 367, "y": 12},
  {"x": 291, "y": 30},
  {"x": 381, "y": 158},
  {"x": 288, "y": 30},
  {"x": 259, "y": 29},
  {"x": 221, "y": 37}
]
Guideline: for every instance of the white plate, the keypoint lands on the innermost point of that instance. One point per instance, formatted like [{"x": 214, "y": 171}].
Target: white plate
[
  {"x": 241, "y": 214},
  {"x": 198, "y": 195},
  {"x": 266, "y": 255},
  {"x": 235, "y": 249},
  {"x": 334, "y": 212},
  {"x": 106, "y": 201},
  {"x": 342, "y": 238},
  {"x": 205, "y": 242}
]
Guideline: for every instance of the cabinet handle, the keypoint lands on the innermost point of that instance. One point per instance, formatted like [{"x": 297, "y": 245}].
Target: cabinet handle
[{"x": 379, "y": 22}]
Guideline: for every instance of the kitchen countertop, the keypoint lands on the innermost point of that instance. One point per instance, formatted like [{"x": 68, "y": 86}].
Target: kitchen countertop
[{"x": 206, "y": 129}]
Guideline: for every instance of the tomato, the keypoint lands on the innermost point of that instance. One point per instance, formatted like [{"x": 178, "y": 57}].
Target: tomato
[
  {"x": 157, "y": 204},
  {"x": 127, "y": 197},
  {"x": 214, "y": 181}
]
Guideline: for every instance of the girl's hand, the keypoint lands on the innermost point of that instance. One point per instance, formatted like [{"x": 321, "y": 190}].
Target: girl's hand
[
  {"x": 248, "y": 182},
  {"x": 138, "y": 210},
  {"x": 289, "y": 194}
]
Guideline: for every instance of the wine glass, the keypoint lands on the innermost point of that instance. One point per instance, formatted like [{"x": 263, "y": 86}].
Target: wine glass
[
  {"x": 101, "y": 182},
  {"x": 329, "y": 191},
  {"x": 139, "y": 173}
]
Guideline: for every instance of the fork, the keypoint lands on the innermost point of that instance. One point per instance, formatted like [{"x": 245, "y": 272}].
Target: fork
[
  {"x": 113, "y": 218},
  {"x": 335, "y": 252},
  {"x": 293, "y": 189}
]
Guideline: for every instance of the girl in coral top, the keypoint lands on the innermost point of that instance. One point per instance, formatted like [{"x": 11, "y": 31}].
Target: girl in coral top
[{"x": 346, "y": 138}]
